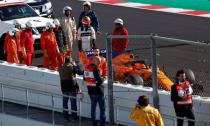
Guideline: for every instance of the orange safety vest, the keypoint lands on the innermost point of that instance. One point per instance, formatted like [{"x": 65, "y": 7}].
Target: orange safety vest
[
  {"x": 184, "y": 88},
  {"x": 88, "y": 75}
]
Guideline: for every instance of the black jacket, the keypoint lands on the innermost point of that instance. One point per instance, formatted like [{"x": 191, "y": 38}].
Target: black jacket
[
  {"x": 61, "y": 41},
  {"x": 99, "y": 89}
]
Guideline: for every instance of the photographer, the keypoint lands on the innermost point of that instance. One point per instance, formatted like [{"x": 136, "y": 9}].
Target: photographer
[{"x": 145, "y": 114}]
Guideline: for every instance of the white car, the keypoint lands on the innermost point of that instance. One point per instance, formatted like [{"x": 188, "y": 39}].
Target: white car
[
  {"x": 11, "y": 10},
  {"x": 42, "y": 7}
]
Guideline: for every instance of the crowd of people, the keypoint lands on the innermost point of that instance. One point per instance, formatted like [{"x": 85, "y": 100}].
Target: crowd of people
[{"x": 56, "y": 44}]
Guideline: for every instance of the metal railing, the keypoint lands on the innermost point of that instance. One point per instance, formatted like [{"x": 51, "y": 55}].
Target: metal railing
[
  {"x": 164, "y": 116},
  {"x": 27, "y": 102}
]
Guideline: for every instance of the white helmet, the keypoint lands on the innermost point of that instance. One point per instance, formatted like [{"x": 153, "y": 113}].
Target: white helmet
[
  {"x": 12, "y": 31},
  {"x": 87, "y": 3},
  {"x": 16, "y": 22},
  {"x": 118, "y": 21},
  {"x": 56, "y": 22},
  {"x": 50, "y": 25},
  {"x": 66, "y": 8},
  {"x": 29, "y": 24}
]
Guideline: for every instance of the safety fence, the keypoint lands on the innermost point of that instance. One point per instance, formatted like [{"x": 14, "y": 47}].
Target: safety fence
[
  {"x": 28, "y": 103},
  {"x": 155, "y": 60}
]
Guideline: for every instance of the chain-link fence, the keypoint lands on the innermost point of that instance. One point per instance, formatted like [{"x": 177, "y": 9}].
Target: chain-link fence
[
  {"x": 151, "y": 60},
  {"x": 171, "y": 56}
]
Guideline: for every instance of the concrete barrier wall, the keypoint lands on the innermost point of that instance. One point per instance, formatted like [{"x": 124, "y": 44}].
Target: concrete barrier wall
[{"x": 125, "y": 95}]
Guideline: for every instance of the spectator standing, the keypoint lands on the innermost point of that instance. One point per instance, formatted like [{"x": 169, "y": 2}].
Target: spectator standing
[
  {"x": 69, "y": 87},
  {"x": 103, "y": 65},
  {"x": 49, "y": 47},
  {"x": 27, "y": 45},
  {"x": 145, "y": 114},
  {"x": 17, "y": 25},
  {"x": 12, "y": 56},
  {"x": 61, "y": 42},
  {"x": 95, "y": 85},
  {"x": 181, "y": 96},
  {"x": 86, "y": 39},
  {"x": 68, "y": 25},
  {"x": 90, "y": 13},
  {"x": 119, "y": 44}
]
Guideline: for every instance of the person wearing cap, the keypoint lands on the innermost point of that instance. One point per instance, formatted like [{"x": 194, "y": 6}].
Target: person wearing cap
[
  {"x": 12, "y": 56},
  {"x": 61, "y": 42},
  {"x": 68, "y": 25},
  {"x": 50, "y": 47},
  {"x": 86, "y": 38},
  {"x": 119, "y": 44},
  {"x": 69, "y": 87},
  {"x": 145, "y": 114},
  {"x": 26, "y": 43},
  {"x": 90, "y": 13}
]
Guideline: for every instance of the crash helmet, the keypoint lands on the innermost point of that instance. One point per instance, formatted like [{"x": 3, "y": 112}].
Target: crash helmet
[
  {"x": 16, "y": 22},
  {"x": 50, "y": 25},
  {"x": 66, "y": 8},
  {"x": 12, "y": 31},
  {"x": 118, "y": 21},
  {"x": 56, "y": 22},
  {"x": 86, "y": 20},
  {"x": 87, "y": 3},
  {"x": 29, "y": 24}
]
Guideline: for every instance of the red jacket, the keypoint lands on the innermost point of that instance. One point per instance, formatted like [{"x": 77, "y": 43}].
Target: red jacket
[
  {"x": 26, "y": 40},
  {"x": 119, "y": 44}
]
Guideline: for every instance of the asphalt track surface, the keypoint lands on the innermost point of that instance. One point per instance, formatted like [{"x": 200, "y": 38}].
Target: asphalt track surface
[{"x": 172, "y": 56}]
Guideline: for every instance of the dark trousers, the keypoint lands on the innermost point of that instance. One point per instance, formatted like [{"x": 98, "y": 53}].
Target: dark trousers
[
  {"x": 100, "y": 99},
  {"x": 184, "y": 111},
  {"x": 73, "y": 100}
]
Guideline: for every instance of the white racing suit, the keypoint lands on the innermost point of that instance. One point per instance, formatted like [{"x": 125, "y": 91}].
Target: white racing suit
[
  {"x": 86, "y": 37},
  {"x": 68, "y": 25}
]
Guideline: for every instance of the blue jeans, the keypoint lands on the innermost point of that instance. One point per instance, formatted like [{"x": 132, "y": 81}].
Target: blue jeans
[
  {"x": 116, "y": 53},
  {"x": 100, "y": 99},
  {"x": 73, "y": 104}
]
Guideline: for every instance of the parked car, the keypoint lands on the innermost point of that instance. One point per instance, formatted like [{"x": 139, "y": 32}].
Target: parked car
[
  {"x": 14, "y": 10},
  {"x": 42, "y": 7}
]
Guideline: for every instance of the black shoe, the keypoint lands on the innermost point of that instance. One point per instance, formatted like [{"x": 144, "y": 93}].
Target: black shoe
[
  {"x": 66, "y": 120},
  {"x": 75, "y": 119}
]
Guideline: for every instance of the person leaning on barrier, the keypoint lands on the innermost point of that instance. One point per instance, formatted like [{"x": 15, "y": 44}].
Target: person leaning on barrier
[
  {"x": 69, "y": 87},
  {"x": 181, "y": 96},
  {"x": 95, "y": 85},
  {"x": 145, "y": 114}
]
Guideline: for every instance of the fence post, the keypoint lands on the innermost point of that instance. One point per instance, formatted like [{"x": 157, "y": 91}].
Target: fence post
[
  {"x": 27, "y": 102},
  {"x": 110, "y": 80},
  {"x": 154, "y": 73},
  {"x": 2, "y": 102},
  {"x": 53, "y": 113}
]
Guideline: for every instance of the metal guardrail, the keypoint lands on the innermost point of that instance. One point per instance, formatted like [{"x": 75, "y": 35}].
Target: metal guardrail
[{"x": 27, "y": 102}]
